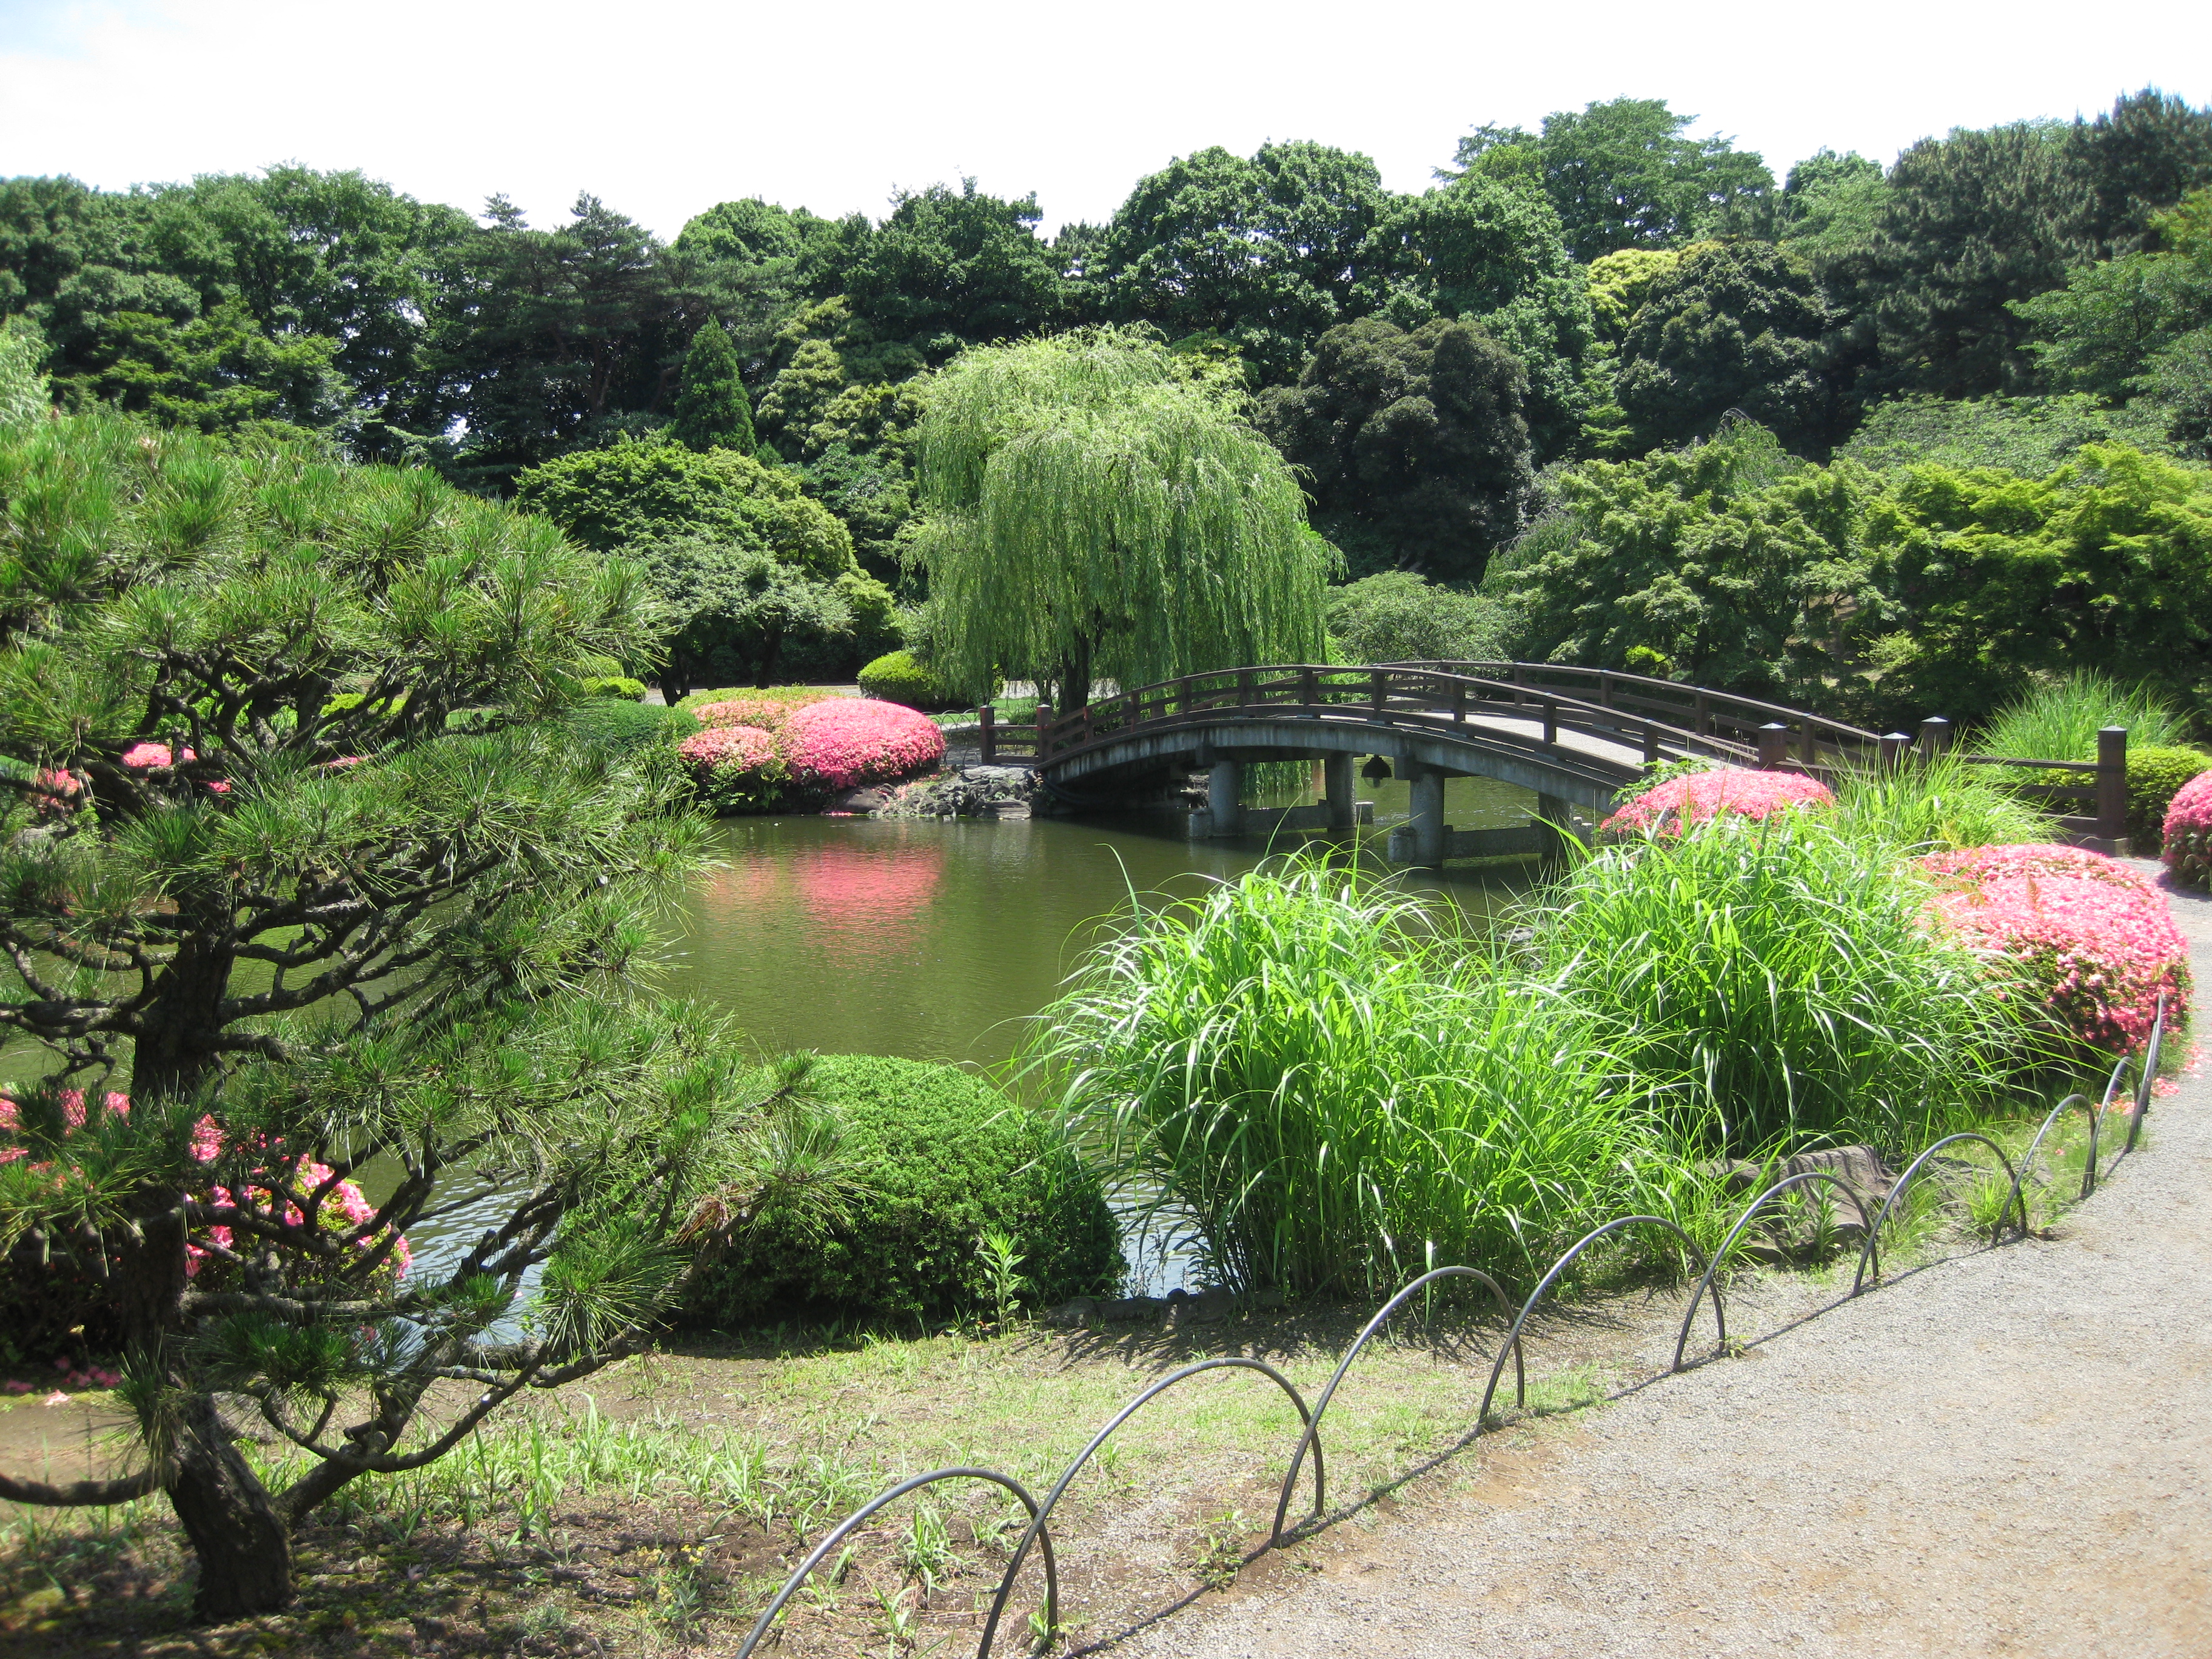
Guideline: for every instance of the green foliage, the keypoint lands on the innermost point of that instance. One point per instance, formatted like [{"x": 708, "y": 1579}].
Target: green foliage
[
  {"x": 1398, "y": 616},
  {"x": 941, "y": 1158},
  {"x": 1939, "y": 806},
  {"x": 1732, "y": 563},
  {"x": 741, "y": 614},
  {"x": 1622, "y": 173},
  {"x": 1776, "y": 980},
  {"x": 1490, "y": 253},
  {"x": 1621, "y": 281},
  {"x": 2156, "y": 775},
  {"x": 2032, "y": 436},
  {"x": 1413, "y": 445},
  {"x": 2059, "y": 719},
  {"x": 897, "y": 677},
  {"x": 712, "y": 411},
  {"x": 1098, "y": 508},
  {"x": 1733, "y": 326},
  {"x": 24, "y": 393},
  {"x": 634, "y": 493},
  {"x": 624, "y": 727},
  {"x": 1266, "y": 254},
  {"x": 2104, "y": 565},
  {"x": 619, "y": 686},
  {"x": 1314, "y": 1078}
]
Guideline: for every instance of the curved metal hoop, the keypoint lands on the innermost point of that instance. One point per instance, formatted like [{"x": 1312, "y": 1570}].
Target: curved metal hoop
[
  {"x": 844, "y": 1529},
  {"x": 1039, "y": 1515},
  {"x": 1905, "y": 1180},
  {"x": 1320, "y": 1404},
  {"x": 2149, "y": 1077},
  {"x": 1513, "y": 1336},
  {"x": 2027, "y": 1159},
  {"x": 1720, "y": 1256}
]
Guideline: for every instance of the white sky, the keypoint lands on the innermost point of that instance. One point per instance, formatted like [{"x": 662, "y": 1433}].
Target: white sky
[{"x": 663, "y": 108}]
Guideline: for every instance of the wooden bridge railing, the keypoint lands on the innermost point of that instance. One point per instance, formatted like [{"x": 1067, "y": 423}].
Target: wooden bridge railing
[{"x": 1654, "y": 717}]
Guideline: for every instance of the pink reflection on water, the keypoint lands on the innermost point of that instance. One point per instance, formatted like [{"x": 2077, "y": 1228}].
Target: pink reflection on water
[{"x": 845, "y": 888}]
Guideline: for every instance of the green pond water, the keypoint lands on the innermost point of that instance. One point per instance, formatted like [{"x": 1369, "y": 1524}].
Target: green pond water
[{"x": 937, "y": 940}]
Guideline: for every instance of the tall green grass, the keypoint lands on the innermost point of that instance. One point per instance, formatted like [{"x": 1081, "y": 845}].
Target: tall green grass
[
  {"x": 1329, "y": 1086},
  {"x": 2059, "y": 720},
  {"x": 1779, "y": 973},
  {"x": 1934, "y": 806}
]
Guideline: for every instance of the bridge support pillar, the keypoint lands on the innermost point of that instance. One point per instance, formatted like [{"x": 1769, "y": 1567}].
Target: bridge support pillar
[
  {"x": 1341, "y": 792},
  {"x": 1555, "y": 817},
  {"x": 1427, "y": 821},
  {"x": 1224, "y": 791}
]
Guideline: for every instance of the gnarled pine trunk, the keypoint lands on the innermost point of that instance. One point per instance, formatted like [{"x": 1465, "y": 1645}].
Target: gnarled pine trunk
[{"x": 243, "y": 1548}]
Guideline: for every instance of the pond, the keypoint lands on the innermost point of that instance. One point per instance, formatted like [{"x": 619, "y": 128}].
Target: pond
[{"x": 936, "y": 940}]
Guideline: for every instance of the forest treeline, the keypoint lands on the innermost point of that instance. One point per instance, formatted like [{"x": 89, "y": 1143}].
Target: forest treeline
[{"x": 1598, "y": 289}]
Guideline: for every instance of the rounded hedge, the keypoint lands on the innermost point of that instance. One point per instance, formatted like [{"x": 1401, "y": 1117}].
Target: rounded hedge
[
  {"x": 2156, "y": 775},
  {"x": 942, "y": 1158},
  {"x": 620, "y": 687},
  {"x": 897, "y": 677}
]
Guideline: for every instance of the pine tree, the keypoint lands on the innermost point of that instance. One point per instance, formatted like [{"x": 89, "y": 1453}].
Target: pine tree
[{"x": 712, "y": 411}]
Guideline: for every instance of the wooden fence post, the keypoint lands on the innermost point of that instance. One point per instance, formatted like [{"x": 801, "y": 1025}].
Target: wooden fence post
[
  {"x": 989, "y": 716},
  {"x": 1044, "y": 719},
  {"x": 1773, "y": 746},
  {"x": 1934, "y": 736},
  {"x": 2112, "y": 784},
  {"x": 1893, "y": 746}
]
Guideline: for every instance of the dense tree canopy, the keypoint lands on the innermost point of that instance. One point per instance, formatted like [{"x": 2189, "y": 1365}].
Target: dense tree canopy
[
  {"x": 1413, "y": 443},
  {"x": 1732, "y": 325},
  {"x": 1624, "y": 174}
]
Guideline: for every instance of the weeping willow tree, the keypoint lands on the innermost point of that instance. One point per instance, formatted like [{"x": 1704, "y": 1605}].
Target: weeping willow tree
[{"x": 1096, "y": 507}]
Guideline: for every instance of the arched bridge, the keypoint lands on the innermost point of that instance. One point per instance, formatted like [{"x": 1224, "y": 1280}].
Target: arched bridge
[{"x": 1574, "y": 736}]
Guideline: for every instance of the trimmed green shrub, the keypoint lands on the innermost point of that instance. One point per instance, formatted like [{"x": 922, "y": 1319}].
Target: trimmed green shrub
[
  {"x": 897, "y": 677},
  {"x": 943, "y": 1157},
  {"x": 2156, "y": 775},
  {"x": 624, "y": 727},
  {"x": 620, "y": 687}
]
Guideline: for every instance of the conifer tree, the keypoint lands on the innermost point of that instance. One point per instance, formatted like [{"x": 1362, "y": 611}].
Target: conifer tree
[{"x": 712, "y": 410}]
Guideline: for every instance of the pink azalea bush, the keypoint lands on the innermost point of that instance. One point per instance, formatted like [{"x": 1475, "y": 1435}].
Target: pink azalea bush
[
  {"x": 344, "y": 1209},
  {"x": 2085, "y": 935},
  {"x": 157, "y": 757},
  {"x": 1699, "y": 797},
  {"x": 841, "y": 745},
  {"x": 735, "y": 768},
  {"x": 768, "y": 713},
  {"x": 2188, "y": 852}
]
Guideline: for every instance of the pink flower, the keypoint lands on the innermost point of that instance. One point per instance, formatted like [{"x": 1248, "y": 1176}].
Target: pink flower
[
  {"x": 2085, "y": 934},
  {"x": 12, "y": 1386},
  {"x": 143, "y": 756},
  {"x": 57, "y": 1398},
  {"x": 2188, "y": 831},
  {"x": 1698, "y": 797},
  {"x": 768, "y": 714},
  {"x": 838, "y": 745},
  {"x": 744, "y": 747}
]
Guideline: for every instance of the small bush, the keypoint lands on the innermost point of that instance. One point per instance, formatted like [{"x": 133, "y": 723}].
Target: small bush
[
  {"x": 2187, "y": 833},
  {"x": 620, "y": 687},
  {"x": 1398, "y": 616},
  {"x": 734, "y": 769},
  {"x": 2090, "y": 940},
  {"x": 763, "y": 713},
  {"x": 789, "y": 696},
  {"x": 943, "y": 1157},
  {"x": 2155, "y": 776},
  {"x": 849, "y": 742},
  {"x": 897, "y": 677},
  {"x": 623, "y": 727}
]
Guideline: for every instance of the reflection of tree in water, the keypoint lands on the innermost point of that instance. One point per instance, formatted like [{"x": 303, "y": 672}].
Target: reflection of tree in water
[{"x": 847, "y": 888}]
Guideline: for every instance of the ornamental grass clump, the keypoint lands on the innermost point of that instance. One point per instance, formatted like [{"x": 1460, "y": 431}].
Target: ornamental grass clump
[
  {"x": 1696, "y": 797},
  {"x": 2060, "y": 720},
  {"x": 2089, "y": 942},
  {"x": 1775, "y": 982},
  {"x": 1318, "y": 1080},
  {"x": 1933, "y": 803}
]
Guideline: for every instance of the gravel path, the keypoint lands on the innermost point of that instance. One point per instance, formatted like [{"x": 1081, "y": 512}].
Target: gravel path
[{"x": 2008, "y": 1454}]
